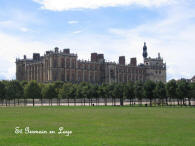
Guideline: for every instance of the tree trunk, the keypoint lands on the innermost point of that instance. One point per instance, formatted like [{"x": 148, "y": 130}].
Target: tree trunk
[
  {"x": 189, "y": 100},
  {"x": 150, "y": 102},
  {"x": 129, "y": 101},
  {"x": 89, "y": 101},
  {"x": 68, "y": 101},
  {"x": 121, "y": 101},
  {"x": 33, "y": 102},
  {"x": 178, "y": 102},
  {"x": 166, "y": 101},
  {"x": 183, "y": 102},
  {"x": 41, "y": 101}
]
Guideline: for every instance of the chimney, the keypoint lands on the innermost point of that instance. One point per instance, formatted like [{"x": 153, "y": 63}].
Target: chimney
[
  {"x": 36, "y": 56},
  {"x": 47, "y": 52},
  {"x": 133, "y": 62},
  {"x": 159, "y": 56},
  {"x": 122, "y": 60},
  {"x": 56, "y": 49},
  {"x": 100, "y": 56},
  {"x": 66, "y": 51},
  {"x": 94, "y": 57},
  {"x": 24, "y": 56}
]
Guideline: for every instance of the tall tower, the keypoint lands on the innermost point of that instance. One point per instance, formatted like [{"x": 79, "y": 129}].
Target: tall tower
[{"x": 145, "y": 54}]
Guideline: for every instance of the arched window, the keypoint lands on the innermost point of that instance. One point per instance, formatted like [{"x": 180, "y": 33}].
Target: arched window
[
  {"x": 62, "y": 62},
  {"x": 68, "y": 63}
]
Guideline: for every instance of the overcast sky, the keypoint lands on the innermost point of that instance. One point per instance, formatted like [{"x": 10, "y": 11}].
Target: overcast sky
[{"x": 112, "y": 27}]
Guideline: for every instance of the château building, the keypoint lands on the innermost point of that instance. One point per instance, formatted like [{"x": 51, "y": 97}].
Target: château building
[
  {"x": 64, "y": 66},
  {"x": 192, "y": 79}
]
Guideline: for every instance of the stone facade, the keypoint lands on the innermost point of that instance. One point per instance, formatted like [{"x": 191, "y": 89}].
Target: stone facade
[
  {"x": 64, "y": 66},
  {"x": 193, "y": 79}
]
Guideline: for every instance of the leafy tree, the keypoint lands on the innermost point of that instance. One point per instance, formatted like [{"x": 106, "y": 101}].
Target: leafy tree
[
  {"x": 90, "y": 93},
  {"x": 49, "y": 92},
  {"x": 121, "y": 97},
  {"x": 101, "y": 92},
  {"x": 149, "y": 87},
  {"x": 72, "y": 93},
  {"x": 58, "y": 85},
  {"x": 129, "y": 91},
  {"x": 79, "y": 94},
  {"x": 32, "y": 90},
  {"x": 118, "y": 92},
  {"x": 105, "y": 89},
  {"x": 183, "y": 90},
  {"x": 65, "y": 91},
  {"x": 42, "y": 86},
  {"x": 192, "y": 92},
  {"x": 139, "y": 91},
  {"x": 171, "y": 88},
  {"x": 2, "y": 91},
  {"x": 160, "y": 91},
  {"x": 14, "y": 90},
  {"x": 85, "y": 92},
  {"x": 95, "y": 92},
  {"x": 23, "y": 84},
  {"x": 110, "y": 91},
  {"x": 5, "y": 82}
]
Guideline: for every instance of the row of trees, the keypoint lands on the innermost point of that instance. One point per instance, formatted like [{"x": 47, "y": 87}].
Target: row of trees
[{"x": 182, "y": 91}]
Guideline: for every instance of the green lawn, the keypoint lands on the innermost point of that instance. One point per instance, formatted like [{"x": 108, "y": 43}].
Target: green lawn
[{"x": 99, "y": 126}]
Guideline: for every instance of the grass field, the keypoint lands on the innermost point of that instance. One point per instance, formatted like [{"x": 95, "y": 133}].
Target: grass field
[{"x": 99, "y": 126}]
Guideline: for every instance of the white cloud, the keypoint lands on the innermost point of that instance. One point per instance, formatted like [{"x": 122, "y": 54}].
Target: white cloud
[
  {"x": 24, "y": 29},
  {"x": 13, "y": 25},
  {"x": 6, "y": 23},
  {"x": 73, "y": 22},
  {"x": 172, "y": 36},
  {"x": 60, "y": 5},
  {"x": 78, "y": 31},
  {"x": 13, "y": 47}
]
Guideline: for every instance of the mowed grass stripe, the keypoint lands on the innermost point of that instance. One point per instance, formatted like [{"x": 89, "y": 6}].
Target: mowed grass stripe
[{"x": 100, "y": 125}]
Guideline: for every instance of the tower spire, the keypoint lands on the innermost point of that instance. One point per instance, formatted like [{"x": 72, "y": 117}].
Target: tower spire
[{"x": 145, "y": 54}]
